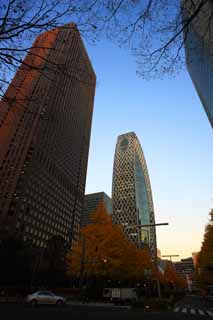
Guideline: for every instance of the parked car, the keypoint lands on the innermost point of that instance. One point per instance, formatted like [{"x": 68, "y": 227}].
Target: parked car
[{"x": 44, "y": 297}]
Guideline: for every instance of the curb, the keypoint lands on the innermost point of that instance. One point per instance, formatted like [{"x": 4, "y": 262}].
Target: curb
[{"x": 102, "y": 305}]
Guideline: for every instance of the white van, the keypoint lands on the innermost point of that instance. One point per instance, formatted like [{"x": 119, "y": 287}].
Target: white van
[{"x": 124, "y": 295}]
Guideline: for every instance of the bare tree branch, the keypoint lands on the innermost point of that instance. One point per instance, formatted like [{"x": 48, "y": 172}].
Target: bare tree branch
[{"x": 154, "y": 30}]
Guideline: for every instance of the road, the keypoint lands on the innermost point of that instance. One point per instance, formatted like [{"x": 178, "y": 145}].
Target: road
[
  {"x": 89, "y": 312},
  {"x": 194, "y": 305}
]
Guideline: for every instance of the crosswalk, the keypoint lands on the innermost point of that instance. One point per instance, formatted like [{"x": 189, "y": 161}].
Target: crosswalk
[{"x": 193, "y": 311}]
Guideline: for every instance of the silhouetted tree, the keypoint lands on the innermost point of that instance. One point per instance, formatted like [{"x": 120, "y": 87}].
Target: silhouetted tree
[
  {"x": 16, "y": 260},
  {"x": 172, "y": 279},
  {"x": 52, "y": 267}
]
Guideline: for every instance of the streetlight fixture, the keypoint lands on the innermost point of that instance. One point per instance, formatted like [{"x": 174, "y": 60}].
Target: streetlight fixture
[
  {"x": 140, "y": 226},
  {"x": 127, "y": 226},
  {"x": 170, "y": 256},
  {"x": 134, "y": 234}
]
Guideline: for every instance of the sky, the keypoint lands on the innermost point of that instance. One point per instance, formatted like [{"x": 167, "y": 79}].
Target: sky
[{"x": 175, "y": 135}]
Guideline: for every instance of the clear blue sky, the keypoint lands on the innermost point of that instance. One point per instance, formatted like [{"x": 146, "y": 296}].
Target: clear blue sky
[{"x": 175, "y": 135}]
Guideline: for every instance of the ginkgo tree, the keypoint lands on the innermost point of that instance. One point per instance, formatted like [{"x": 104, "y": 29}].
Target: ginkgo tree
[
  {"x": 171, "y": 278},
  {"x": 103, "y": 250},
  {"x": 204, "y": 268}
]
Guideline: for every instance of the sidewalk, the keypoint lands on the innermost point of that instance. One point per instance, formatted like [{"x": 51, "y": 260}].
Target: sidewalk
[{"x": 96, "y": 304}]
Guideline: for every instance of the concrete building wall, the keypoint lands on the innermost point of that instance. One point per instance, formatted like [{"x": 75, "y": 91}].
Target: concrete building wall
[
  {"x": 45, "y": 125},
  {"x": 91, "y": 203},
  {"x": 199, "y": 51}
]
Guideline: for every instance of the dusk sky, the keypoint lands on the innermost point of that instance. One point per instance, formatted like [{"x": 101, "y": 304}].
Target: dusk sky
[{"x": 176, "y": 138}]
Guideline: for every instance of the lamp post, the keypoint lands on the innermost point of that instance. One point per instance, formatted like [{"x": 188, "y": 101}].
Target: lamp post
[
  {"x": 144, "y": 225},
  {"x": 85, "y": 261},
  {"x": 104, "y": 269},
  {"x": 140, "y": 226},
  {"x": 170, "y": 256},
  {"x": 148, "y": 274},
  {"x": 82, "y": 261},
  {"x": 126, "y": 225}
]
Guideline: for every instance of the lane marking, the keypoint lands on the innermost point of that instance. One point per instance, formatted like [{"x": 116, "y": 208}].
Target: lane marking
[
  {"x": 193, "y": 311},
  {"x": 201, "y": 312},
  {"x": 176, "y": 309},
  {"x": 184, "y": 310},
  {"x": 209, "y": 313}
]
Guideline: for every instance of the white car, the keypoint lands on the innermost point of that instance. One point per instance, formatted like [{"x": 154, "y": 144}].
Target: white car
[{"x": 44, "y": 297}]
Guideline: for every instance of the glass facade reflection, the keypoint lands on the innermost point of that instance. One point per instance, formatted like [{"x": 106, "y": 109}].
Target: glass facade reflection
[
  {"x": 131, "y": 192},
  {"x": 199, "y": 58},
  {"x": 141, "y": 198}
]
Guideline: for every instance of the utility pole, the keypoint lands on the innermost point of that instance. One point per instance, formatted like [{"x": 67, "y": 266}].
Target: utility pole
[
  {"x": 126, "y": 225},
  {"x": 82, "y": 261}
]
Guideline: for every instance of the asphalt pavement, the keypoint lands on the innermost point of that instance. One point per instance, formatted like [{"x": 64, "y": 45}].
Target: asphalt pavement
[
  {"x": 195, "y": 306},
  {"x": 101, "y": 312},
  {"x": 84, "y": 313}
]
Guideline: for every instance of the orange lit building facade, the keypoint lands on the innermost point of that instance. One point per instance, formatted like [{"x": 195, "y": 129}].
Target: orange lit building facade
[{"x": 45, "y": 124}]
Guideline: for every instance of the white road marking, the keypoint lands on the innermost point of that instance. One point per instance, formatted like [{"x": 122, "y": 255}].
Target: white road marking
[
  {"x": 193, "y": 311},
  {"x": 201, "y": 312}
]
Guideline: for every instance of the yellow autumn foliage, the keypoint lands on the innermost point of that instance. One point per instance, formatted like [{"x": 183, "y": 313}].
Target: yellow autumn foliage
[
  {"x": 171, "y": 276},
  {"x": 204, "y": 269},
  {"x": 107, "y": 252}
]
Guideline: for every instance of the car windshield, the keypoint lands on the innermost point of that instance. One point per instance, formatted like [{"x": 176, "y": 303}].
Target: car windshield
[{"x": 48, "y": 293}]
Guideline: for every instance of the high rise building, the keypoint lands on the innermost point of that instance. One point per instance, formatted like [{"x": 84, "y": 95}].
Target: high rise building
[
  {"x": 199, "y": 50},
  {"x": 186, "y": 269},
  {"x": 185, "y": 266},
  {"x": 159, "y": 256},
  {"x": 45, "y": 124},
  {"x": 91, "y": 203},
  {"x": 131, "y": 192}
]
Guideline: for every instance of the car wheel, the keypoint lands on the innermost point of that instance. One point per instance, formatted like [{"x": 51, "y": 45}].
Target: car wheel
[
  {"x": 33, "y": 303},
  {"x": 59, "y": 303}
]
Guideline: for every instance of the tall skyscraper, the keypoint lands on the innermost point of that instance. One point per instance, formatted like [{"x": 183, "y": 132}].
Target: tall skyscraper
[
  {"x": 131, "y": 192},
  {"x": 199, "y": 50},
  {"x": 91, "y": 203},
  {"x": 45, "y": 124}
]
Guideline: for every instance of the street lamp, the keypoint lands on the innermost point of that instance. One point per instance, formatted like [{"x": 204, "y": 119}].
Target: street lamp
[
  {"x": 148, "y": 274},
  {"x": 85, "y": 262},
  {"x": 144, "y": 225},
  {"x": 83, "y": 254},
  {"x": 127, "y": 226},
  {"x": 140, "y": 226},
  {"x": 170, "y": 256}
]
